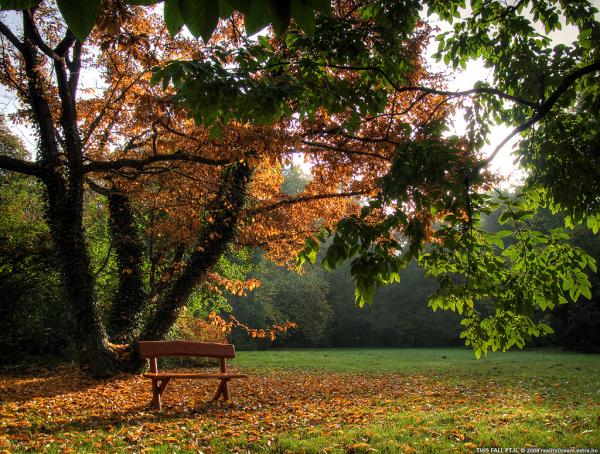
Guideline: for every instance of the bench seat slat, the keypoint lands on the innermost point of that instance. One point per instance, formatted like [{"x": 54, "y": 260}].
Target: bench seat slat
[
  {"x": 150, "y": 349},
  {"x": 192, "y": 375}
]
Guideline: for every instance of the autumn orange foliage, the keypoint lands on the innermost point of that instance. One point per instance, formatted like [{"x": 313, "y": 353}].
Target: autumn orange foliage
[
  {"x": 137, "y": 120},
  {"x": 225, "y": 326},
  {"x": 134, "y": 139}
]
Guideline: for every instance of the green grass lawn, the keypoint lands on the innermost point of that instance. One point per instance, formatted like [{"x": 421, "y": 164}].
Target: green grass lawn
[
  {"x": 384, "y": 360},
  {"x": 521, "y": 399},
  {"x": 320, "y": 401},
  {"x": 578, "y": 373}
]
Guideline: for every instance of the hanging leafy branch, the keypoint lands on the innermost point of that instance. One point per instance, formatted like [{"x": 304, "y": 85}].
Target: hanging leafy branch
[
  {"x": 199, "y": 16},
  {"x": 495, "y": 280}
]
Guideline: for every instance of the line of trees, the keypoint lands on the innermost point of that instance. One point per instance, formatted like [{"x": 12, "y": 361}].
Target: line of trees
[
  {"x": 399, "y": 315},
  {"x": 321, "y": 304}
]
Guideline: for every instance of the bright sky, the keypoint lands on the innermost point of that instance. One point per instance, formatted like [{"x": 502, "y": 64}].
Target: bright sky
[{"x": 475, "y": 71}]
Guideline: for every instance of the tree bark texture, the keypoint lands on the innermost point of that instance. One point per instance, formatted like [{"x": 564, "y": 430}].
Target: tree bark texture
[
  {"x": 64, "y": 205},
  {"x": 124, "y": 319},
  {"x": 65, "y": 221}
]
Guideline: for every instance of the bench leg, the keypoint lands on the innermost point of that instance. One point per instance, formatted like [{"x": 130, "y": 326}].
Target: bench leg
[
  {"x": 158, "y": 387},
  {"x": 222, "y": 390}
]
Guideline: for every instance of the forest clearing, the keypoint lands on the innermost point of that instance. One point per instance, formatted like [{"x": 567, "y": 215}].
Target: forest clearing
[{"x": 322, "y": 400}]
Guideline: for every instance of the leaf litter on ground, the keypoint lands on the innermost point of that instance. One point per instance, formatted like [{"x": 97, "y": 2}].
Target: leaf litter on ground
[{"x": 286, "y": 411}]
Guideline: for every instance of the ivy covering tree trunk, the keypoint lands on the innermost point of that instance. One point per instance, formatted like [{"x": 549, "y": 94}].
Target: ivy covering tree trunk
[
  {"x": 126, "y": 311},
  {"x": 90, "y": 336},
  {"x": 63, "y": 181},
  {"x": 211, "y": 244}
]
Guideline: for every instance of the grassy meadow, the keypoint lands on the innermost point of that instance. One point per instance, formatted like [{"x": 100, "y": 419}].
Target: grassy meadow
[{"x": 318, "y": 401}]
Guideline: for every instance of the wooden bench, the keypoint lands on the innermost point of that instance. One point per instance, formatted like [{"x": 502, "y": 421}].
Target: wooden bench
[{"x": 152, "y": 350}]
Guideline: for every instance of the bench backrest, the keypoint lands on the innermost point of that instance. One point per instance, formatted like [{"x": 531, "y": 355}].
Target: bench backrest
[{"x": 155, "y": 349}]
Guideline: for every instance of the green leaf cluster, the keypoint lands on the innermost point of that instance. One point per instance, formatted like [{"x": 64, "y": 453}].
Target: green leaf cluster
[
  {"x": 498, "y": 280},
  {"x": 199, "y": 16},
  {"x": 266, "y": 80}
]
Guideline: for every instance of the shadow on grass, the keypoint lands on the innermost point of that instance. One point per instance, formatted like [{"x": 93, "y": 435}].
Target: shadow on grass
[
  {"x": 134, "y": 416},
  {"x": 49, "y": 383}
]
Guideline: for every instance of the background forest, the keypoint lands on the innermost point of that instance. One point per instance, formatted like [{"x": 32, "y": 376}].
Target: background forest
[{"x": 35, "y": 320}]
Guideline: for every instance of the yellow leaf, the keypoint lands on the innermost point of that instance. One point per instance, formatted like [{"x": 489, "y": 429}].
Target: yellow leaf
[
  {"x": 408, "y": 449},
  {"x": 359, "y": 447}
]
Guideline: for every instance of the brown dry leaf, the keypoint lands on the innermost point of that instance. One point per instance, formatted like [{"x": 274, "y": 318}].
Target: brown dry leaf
[{"x": 360, "y": 447}]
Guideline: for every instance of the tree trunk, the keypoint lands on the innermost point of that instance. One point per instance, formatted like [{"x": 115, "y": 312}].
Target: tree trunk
[
  {"x": 211, "y": 244},
  {"x": 64, "y": 190},
  {"x": 65, "y": 221},
  {"x": 125, "y": 317}
]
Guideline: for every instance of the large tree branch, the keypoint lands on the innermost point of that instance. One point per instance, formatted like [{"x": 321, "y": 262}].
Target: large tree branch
[
  {"x": 49, "y": 152},
  {"x": 4, "y": 30},
  {"x": 67, "y": 81},
  {"x": 59, "y": 53},
  {"x": 35, "y": 36},
  {"x": 325, "y": 146},
  {"x": 547, "y": 105},
  {"x": 565, "y": 84},
  {"x": 97, "y": 188},
  {"x": 472, "y": 91},
  {"x": 434, "y": 91},
  {"x": 74, "y": 69},
  {"x": 63, "y": 47},
  {"x": 67, "y": 90},
  {"x": 21, "y": 166},
  {"x": 68, "y": 122},
  {"x": 428, "y": 90},
  {"x": 128, "y": 302},
  {"x": 211, "y": 244},
  {"x": 140, "y": 164},
  {"x": 60, "y": 50}
]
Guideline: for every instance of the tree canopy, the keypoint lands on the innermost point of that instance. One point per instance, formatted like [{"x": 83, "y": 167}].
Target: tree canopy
[{"x": 344, "y": 84}]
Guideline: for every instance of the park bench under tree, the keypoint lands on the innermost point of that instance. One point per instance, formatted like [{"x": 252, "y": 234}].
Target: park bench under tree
[{"x": 152, "y": 350}]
